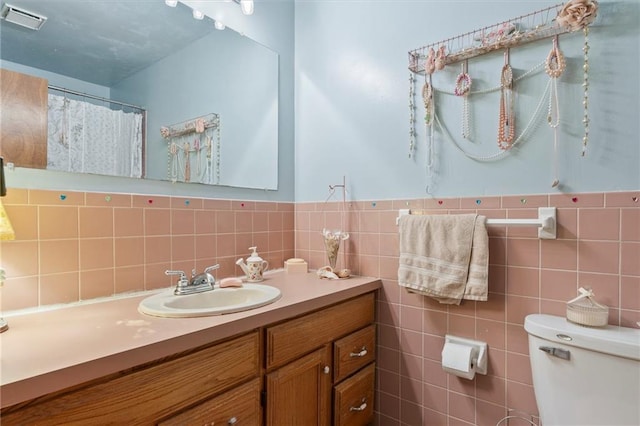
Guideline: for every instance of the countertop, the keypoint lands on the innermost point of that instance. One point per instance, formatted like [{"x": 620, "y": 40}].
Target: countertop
[{"x": 44, "y": 352}]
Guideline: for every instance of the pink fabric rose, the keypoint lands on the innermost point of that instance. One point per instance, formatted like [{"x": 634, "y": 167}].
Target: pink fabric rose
[{"x": 577, "y": 14}]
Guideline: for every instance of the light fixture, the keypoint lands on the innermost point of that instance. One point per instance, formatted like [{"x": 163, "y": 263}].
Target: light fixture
[
  {"x": 198, "y": 15},
  {"x": 171, "y": 3},
  {"x": 219, "y": 25},
  {"x": 246, "y": 6},
  {"x": 6, "y": 231},
  {"x": 22, "y": 17}
]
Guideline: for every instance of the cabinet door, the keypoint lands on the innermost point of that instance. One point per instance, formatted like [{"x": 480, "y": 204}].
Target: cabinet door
[
  {"x": 239, "y": 406},
  {"x": 300, "y": 392},
  {"x": 23, "y": 119}
]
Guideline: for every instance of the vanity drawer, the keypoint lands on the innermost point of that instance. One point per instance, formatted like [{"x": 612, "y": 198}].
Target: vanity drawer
[
  {"x": 238, "y": 406},
  {"x": 353, "y": 352},
  {"x": 153, "y": 392},
  {"x": 294, "y": 338},
  {"x": 353, "y": 398}
]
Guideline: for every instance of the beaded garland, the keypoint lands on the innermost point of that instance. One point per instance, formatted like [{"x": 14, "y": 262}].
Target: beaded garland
[
  {"x": 554, "y": 67},
  {"x": 506, "y": 120},
  {"x": 218, "y": 129},
  {"x": 498, "y": 155},
  {"x": 173, "y": 162},
  {"x": 554, "y": 105},
  {"x": 555, "y": 63},
  {"x": 412, "y": 114},
  {"x": 497, "y": 88},
  {"x": 187, "y": 159},
  {"x": 466, "y": 132},
  {"x": 427, "y": 98},
  {"x": 463, "y": 84},
  {"x": 585, "y": 86},
  {"x": 462, "y": 88}
]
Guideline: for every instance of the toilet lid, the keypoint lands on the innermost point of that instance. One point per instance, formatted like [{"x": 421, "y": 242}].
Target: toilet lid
[{"x": 619, "y": 341}]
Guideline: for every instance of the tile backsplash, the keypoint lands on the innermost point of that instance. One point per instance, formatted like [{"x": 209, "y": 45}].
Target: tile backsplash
[
  {"x": 73, "y": 246},
  {"x": 598, "y": 246}
]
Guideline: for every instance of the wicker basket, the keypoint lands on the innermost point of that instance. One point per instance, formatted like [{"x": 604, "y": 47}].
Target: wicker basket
[{"x": 586, "y": 311}]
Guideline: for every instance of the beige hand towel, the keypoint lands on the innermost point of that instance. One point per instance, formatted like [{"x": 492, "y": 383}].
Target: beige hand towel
[{"x": 444, "y": 256}]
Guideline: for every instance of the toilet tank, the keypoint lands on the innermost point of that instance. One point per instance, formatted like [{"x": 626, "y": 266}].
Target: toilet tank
[{"x": 583, "y": 375}]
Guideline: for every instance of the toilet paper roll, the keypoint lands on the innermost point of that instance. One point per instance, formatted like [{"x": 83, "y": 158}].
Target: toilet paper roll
[{"x": 457, "y": 359}]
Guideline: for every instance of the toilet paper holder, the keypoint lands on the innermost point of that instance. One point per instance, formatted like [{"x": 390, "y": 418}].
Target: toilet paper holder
[{"x": 479, "y": 358}]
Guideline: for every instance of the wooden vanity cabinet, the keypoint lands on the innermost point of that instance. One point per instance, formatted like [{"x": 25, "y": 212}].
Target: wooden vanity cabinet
[
  {"x": 156, "y": 393},
  {"x": 314, "y": 369},
  {"x": 317, "y": 355}
]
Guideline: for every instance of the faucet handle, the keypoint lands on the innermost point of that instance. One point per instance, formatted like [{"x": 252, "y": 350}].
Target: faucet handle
[
  {"x": 211, "y": 268},
  {"x": 183, "y": 276},
  {"x": 170, "y": 272}
]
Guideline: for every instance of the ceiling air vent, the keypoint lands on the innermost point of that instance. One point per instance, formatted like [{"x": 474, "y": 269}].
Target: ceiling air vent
[{"x": 22, "y": 17}]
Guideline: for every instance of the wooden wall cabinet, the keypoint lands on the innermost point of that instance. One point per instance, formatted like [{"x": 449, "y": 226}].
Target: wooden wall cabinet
[
  {"x": 317, "y": 369},
  {"x": 23, "y": 119}
]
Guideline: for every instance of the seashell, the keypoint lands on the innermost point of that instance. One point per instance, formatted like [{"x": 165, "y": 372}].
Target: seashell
[
  {"x": 326, "y": 272},
  {"x": 344, "y": 273}
]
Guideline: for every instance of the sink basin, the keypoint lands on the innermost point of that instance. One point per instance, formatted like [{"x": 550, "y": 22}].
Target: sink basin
[{"x": 213, "y": 302}]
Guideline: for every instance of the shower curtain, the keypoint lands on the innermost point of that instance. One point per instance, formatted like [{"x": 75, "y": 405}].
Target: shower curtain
[{"x": 88, "y": 138}]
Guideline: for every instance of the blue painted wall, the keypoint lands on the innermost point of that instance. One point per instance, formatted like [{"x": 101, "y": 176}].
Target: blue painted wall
[
  {"x": 352, "y": 114},
  {"x": 351, "y": 104}
]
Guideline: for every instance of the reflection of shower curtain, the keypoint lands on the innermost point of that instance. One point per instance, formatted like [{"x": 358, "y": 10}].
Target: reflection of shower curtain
[{"x": 88, "y": 138}]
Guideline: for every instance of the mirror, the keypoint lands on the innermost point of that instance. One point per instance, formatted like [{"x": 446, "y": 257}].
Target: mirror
[{"x": 161, "y": 58}]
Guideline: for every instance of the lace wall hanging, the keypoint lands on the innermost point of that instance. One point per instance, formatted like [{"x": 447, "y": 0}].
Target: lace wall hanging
[
  {"x": 575, "y": 15},
  {"x": 193, "y": 149}
]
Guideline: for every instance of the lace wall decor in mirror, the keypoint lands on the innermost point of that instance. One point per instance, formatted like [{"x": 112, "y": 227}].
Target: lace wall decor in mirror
[{"x": 193, "y": 149}]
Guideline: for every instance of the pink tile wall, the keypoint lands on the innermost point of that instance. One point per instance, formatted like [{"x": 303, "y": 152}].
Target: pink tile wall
[
  {"x": 598, "y": 246},
  {"x": 73, "y": 246}
]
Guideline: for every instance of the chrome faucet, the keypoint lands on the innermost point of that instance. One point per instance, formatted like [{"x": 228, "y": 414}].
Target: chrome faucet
[{"x": 197, "y": 284}]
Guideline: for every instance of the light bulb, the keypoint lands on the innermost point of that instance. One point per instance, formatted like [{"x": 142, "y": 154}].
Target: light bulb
[
  {"x": 219, "y": 25},
  {"x": 246, "y": 6},
  {"x": 198, "y": 15},
  {"x": 171, "y": 3}
]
